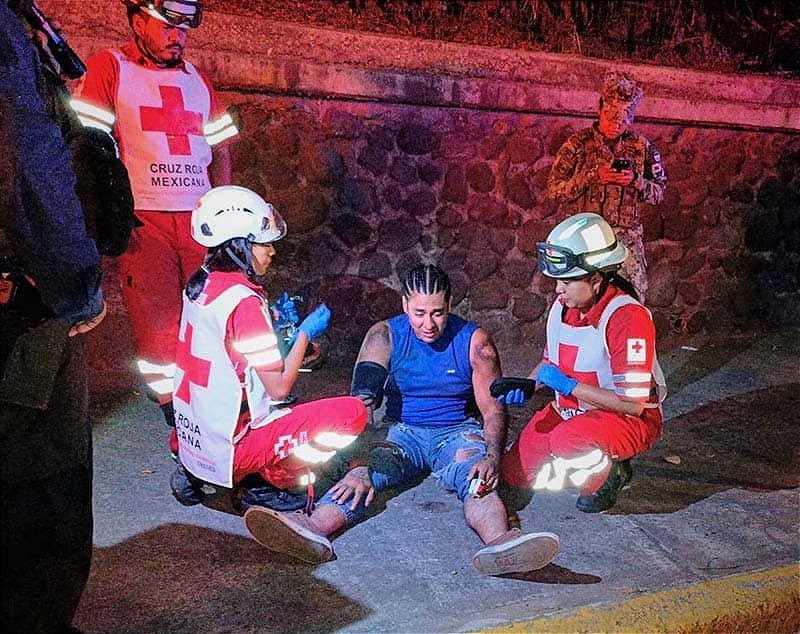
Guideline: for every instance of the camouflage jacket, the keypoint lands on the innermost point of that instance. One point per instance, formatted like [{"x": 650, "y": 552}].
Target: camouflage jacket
[{"x": 573, "y": 178}]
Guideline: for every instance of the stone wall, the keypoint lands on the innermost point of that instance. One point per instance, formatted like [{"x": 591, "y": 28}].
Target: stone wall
[
  {"x": 380, "y": 152},
  {"x": 367, "y": 190}
]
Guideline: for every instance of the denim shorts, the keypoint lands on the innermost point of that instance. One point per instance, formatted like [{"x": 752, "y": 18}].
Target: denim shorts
[{"x": 428, "y": 450}]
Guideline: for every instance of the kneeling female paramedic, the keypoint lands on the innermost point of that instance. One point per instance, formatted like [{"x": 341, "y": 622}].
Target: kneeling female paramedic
[
  {"x": 601, "y": 362},
  {"x": 231, "y": 377}
]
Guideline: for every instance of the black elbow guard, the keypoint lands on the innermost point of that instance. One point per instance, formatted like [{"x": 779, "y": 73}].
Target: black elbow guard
[{"x": 368, "y": 380}]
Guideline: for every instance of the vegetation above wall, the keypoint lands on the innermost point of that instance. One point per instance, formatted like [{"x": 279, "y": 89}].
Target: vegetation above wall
[{"x": 761, "y": 36}]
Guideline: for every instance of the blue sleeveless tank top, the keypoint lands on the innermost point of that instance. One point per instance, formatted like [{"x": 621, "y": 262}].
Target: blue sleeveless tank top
[{"x": 430, "y": 385}]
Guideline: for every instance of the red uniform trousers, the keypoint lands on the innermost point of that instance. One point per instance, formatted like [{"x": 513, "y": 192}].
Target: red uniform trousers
[
  {"x": 153, "y": 273},
  {"x": 265, "y": 450},
  {"x": 547, "y": 435}
]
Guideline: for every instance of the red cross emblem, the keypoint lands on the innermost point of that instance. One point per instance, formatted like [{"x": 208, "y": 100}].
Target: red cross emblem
[
  {"x": 285, "y": 446},
  {"x": 172, "y": 119},
  {"x": 567, "y": 356},
  {"x": 637, "y": 353},
  {"x": 195, "y": 369}
]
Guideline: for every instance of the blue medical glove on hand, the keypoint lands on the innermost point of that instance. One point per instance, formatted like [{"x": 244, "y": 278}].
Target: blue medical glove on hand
[
  {"x": 286, "y": 310},
  {"x": 552, "y": 377},
  {"x": 317, "y": 322},
  {"x": 513, "y": 397}
]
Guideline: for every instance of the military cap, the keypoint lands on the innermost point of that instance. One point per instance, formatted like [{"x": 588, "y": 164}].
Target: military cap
[{"x": 620, "y": 96}]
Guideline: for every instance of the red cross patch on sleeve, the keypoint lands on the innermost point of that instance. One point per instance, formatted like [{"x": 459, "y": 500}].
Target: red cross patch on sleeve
[{"x": 637, "y": 351}]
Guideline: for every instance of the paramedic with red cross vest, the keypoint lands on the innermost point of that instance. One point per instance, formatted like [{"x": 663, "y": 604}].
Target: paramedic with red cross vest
[
  {"x": 166, "y": 119},
  {"x": 231, "y": 376},
  {"x": 600, "y": 359}
]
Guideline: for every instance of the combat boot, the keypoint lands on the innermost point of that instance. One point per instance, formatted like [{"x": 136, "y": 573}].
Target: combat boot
[{"x": 606, "y": 496}]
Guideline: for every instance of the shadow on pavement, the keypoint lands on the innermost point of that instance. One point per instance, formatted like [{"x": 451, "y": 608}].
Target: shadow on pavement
[
  {"x": 748, "y": 442},
  {"x": 181, "y": 578},
  {"x": 556, "y": 575}
]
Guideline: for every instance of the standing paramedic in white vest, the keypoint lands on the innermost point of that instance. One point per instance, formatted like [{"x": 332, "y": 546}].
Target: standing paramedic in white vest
[
  {"x": 231, "y": 376},
  {"x": 170, "y": 128}
]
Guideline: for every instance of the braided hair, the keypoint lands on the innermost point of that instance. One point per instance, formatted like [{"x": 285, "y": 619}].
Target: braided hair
[{"x": 427, "y": 279}]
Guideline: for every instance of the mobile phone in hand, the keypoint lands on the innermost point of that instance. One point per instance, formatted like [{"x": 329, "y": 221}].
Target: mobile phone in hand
[
  {"x": 504, "y": 384},
  {"x": 620, "y": 164}
]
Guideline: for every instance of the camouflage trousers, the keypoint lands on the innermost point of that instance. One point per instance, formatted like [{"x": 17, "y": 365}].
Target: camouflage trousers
[{"x": 634, "y": 269}]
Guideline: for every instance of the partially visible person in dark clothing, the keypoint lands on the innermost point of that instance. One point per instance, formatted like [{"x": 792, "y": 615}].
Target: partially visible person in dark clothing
[{"x": 49, "y": 293}]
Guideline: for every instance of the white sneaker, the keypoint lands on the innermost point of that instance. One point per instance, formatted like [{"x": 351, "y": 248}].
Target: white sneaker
[
  {"x": 287, "y": 533},
  {"x": 516, "y": 551}
]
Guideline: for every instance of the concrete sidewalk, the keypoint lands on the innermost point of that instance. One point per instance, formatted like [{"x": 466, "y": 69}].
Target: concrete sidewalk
[{"x": 702, "y": 545}]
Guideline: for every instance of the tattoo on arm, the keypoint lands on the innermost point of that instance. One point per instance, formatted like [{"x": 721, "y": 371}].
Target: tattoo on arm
[
  {"x": 487, "y": 354},
  {"x": 379, "y": 335},
  {"x": 486, "y": 367},
  {"x": 377, "y": 345}
]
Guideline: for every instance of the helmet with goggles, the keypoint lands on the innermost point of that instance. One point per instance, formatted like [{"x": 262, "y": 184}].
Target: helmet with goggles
[
  {"x": 185, "y": 14},
  {"x": 582, "y": 244},
  {"x": 228, "y": 212}
]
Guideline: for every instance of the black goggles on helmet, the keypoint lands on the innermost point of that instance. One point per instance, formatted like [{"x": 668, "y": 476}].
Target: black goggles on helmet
[
  {"x": 556, "y": 260},
  {"x": 181, "y": 13}
]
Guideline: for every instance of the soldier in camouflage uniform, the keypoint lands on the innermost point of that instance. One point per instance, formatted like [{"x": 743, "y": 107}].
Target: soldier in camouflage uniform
[{"x": 583, "y": 179}]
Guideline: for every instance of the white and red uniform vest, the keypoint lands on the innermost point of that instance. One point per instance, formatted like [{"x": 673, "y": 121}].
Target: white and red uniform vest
[
  {"x": 619, "y": 359},
  {"x": 209, "y": 383},
  {"x": 165, "y": 121}
]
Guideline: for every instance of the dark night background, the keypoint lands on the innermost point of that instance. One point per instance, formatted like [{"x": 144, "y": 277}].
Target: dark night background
[{"x": 716, "y": 35}]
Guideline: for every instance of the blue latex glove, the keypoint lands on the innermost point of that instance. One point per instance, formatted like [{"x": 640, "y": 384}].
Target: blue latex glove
[
  {"x": 552, "y": 377},
  {"x": 317, "y": 322},
  {"x": 285, "y": 310},
  {"x": 513, "y": 397}
]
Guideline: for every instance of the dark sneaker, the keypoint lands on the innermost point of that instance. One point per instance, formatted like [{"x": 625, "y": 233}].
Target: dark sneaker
[
  {"x": 606, "y": 496},
  {"x": 184, "y": 489},
  {"x": 516, "y": 551},
  {"x": 288, "y": 533},
  {"x": 255, "y": 491}
]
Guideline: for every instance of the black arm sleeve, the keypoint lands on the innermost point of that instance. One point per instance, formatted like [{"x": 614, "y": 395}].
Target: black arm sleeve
[{"x": 368, "y": 380}]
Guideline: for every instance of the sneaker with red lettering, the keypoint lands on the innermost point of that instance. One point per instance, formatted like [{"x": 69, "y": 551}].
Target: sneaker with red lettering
[
  {"x": 515, "y": 551},
  {"x": 288, "y": 533}
]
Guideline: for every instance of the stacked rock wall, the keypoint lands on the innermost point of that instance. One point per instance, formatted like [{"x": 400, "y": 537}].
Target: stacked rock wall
[{"x": 368, "y": 190}]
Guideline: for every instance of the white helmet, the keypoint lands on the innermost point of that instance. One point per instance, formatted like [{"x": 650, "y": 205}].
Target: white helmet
[
  {"x": 582, "y": 244},
  {"x": 184, "y": 14},
  {"x": 228, "y": 212}
]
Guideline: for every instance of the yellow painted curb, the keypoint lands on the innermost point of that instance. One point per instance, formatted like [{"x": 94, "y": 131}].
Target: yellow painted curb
[{"x": 767, "y": 601}]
